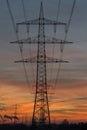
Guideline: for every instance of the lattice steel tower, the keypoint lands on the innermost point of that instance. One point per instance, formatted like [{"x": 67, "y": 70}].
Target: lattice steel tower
[{"x": 41, "y": 113}]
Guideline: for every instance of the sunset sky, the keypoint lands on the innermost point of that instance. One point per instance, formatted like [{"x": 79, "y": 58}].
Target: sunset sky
[{"x": 68, "y": 98}]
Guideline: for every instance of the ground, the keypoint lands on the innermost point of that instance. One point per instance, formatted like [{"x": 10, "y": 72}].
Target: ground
[{"x": 80, "y": 126}]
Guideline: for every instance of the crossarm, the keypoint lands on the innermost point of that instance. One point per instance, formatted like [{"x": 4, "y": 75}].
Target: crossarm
[
  {"x": 48, "y": 60},
  {"x": 48, "y": 40},
  {"x": 38, "y": 22},
  {"x": 53, "y": 22}
]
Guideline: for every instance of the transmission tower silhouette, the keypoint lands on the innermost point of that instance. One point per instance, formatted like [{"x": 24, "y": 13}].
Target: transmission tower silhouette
[{"x": 41, "y": 112}]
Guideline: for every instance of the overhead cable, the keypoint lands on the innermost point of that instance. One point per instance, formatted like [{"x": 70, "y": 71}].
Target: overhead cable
[
  {"x": 57, "y": 18},
  {"x": 17, "y": 37},
  {"x": 27, "y": 28},
  {"x": 65, "y": 37}
]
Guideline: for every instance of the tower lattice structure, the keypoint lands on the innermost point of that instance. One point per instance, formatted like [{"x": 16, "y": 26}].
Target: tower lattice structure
[{"x": 41, "y": 112}]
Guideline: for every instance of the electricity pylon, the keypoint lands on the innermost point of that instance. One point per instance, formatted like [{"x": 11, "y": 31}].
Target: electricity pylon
[
  {"x": 41, "y": 112},
  {"x": 15, "y": 114}
]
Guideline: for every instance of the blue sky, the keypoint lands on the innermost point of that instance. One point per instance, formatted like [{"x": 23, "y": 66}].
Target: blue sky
[{"x": 76, "y": 53}]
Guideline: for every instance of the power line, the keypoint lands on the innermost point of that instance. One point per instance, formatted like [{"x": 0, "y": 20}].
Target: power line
[
  {"x": 69, "y": 23},
  {"x": 17, "y": 37},
  {"x": 65, "y": 37},
  {"x": 25, "y": 17},
  {"x": 27, "y": 28},
  {"x": 57, "y": 18},
  {"x": 58, "y": 10}
]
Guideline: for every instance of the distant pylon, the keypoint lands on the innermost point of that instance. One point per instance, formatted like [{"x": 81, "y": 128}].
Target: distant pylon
[
  {"x": 41, "y": 112},
  {"x": 15, "y": 114}
]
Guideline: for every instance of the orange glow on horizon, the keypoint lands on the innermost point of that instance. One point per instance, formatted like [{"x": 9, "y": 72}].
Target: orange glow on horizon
[{"x": 64, "y": 104}]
